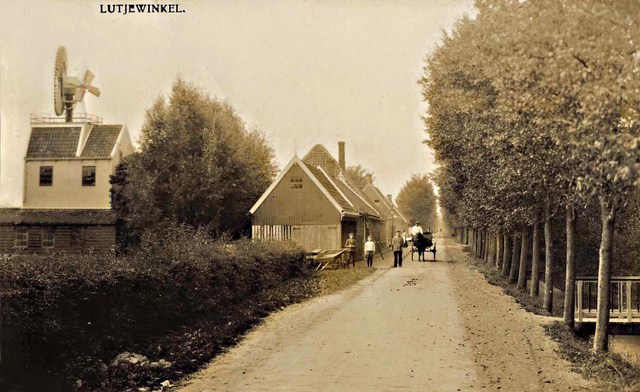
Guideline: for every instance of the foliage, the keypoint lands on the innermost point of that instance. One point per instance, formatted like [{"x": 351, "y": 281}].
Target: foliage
[
  {"x": 198, "y": 164},
  {"x": 360, "y": 176},
  {"x": 417, "y": 201},
  {"x": 72, "y": 314},
  {"x": 535, "y": 104}
]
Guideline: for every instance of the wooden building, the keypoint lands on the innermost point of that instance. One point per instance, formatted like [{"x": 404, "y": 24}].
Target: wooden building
[
  {"x": 392, "y": 219},
  {"x": 66, "y": 201},
  {"x": 44, "y": 231},
  {"x": 313, "y": 203}
]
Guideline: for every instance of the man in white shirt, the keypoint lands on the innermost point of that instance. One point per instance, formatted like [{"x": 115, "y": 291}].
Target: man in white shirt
[{"x": 416, "y": 229}]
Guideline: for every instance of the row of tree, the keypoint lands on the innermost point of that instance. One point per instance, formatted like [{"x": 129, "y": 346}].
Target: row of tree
[{"x": 533, "y": 110}]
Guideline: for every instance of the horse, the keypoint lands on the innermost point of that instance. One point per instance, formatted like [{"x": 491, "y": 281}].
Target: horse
[{"x": 422, "y": 243}]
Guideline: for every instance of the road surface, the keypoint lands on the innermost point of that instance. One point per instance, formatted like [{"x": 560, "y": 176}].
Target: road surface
[{"x": 423, "y": 327}]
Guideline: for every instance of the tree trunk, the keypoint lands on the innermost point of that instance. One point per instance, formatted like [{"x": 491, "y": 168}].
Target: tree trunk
[
  {"x": 485, "y": 250},
  {"x": 570, "y": 280},
  {"x": 490, "y": 251},
  {"x": 513, "y": 274},
  {"x": 473, "y": 240},
  {"x": 535, "y": 260},
  {"x": 524, "y": 259},
  {"x": 506, "y": 257},
  {"x": 548, "y": 255},
  {"x": 499, "y": 249},
  {"x": 608, "y": 214}
]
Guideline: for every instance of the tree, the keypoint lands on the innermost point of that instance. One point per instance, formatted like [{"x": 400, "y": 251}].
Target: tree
[
  {"x": 533, "y": 104},
  {"x": 359, "y": 175},
  {"x": 198, "y": 165},
  {"x": 417, "y": 200}
]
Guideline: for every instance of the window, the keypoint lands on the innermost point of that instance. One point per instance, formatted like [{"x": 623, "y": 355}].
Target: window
[
  {"x": 22, "y": 237},
  {"x": 46, "y": 175},
  {"x": 48, "y": 237},
  {"x": 296, "y": 182},
  {"x": 77, "y": 237},
  {"x": 88, "y": 175}
]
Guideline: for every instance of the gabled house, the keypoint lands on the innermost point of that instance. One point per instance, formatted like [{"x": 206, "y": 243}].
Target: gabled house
[
  {"x": 66, "y": 199},
  {"x": 392, "y": 219},
  {"x": 313, "y": 203}
]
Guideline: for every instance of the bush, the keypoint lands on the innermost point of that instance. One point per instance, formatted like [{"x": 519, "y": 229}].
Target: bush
[{"x": 66, "y": 317}]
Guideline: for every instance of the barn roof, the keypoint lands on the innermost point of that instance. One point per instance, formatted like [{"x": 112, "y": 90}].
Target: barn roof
[
  {"x": 387, "y": 207},
  {"x": 18, "y": 216},
  {"x": 341, "y": 195},
  {"x": 332, "y": 188},
  {"x": 61, "y": 142}
]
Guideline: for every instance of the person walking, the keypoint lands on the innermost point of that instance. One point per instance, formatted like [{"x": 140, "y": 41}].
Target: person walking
[
  {"x": 369, "y": 251},
  {"x": 350, "y": 244},
  {"x": 397, "y": 243}
]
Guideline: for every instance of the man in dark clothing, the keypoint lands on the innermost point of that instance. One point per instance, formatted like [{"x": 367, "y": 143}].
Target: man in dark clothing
[
  {"x": 350, "y": 245},
  {"x": 397, "y": 243}
]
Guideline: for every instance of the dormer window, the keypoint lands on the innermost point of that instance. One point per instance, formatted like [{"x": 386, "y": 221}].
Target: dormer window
[
  {"x": 88, "y": 175},
  {"x": 46, "y": 175}
]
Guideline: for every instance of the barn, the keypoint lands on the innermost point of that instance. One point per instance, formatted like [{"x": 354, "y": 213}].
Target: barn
[
  {"x": 313, "y": 203},
  {"x": 392, "y": 218}
]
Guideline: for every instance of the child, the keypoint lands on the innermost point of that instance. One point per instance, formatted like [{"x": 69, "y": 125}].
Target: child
[{"x": 369, "y": 250}]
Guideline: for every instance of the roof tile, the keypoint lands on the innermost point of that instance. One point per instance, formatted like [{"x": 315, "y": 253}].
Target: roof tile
[
  {"x": 101, "y": 141},
  {"x": 53, "y": 142},
  {"x": 17, "y": 216}
]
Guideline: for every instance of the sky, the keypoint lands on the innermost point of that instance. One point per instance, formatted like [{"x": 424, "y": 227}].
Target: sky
[{"x": 303, "y": 72}]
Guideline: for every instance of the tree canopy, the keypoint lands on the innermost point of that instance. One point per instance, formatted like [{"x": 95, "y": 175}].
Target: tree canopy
[
  {"x": 198, "y": 164},
  {"x": 533, "y": 107},
  {"x": 417, "y": 201}
]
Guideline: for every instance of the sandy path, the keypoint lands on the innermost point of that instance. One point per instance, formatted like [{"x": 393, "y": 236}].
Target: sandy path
[
  {"x": 509, "y": 344},
  {"x": 423, "y": 327}
]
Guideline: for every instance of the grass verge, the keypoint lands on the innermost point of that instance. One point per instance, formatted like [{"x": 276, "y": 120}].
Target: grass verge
[
  {"x": 334, "y": 280},
  {"x": 611, "y": 371},
  {"x": 494, "y": 277}
]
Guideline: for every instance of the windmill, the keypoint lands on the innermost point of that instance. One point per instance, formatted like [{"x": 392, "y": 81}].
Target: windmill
[{"x": 69, "y": 90}]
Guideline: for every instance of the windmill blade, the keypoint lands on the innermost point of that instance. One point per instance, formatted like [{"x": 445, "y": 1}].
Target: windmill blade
[
  {"x": 93, "y": 90},
  {"x": 88, "y": 77}
]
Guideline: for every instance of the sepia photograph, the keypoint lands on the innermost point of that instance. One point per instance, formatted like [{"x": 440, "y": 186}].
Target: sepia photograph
[{"x": 319, "y": 195}]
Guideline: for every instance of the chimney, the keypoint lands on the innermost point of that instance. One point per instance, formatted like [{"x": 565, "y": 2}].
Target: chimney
[
  {"x": 390, "y": 197},
  {"x": 341, "y": 161},
  {"x": 369, "y": 178}
]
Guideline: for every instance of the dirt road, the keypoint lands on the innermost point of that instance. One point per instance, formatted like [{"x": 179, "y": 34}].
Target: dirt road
[{"x": 424, "y": 327}]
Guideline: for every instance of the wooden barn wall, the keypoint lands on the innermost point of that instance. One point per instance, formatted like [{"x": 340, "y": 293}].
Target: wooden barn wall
[
  {"x": 310, "y": 237},
  {"x": 7, "y": 238},
  {"x": 100, "y": 238},
  {"x": 288, "y": 205}
]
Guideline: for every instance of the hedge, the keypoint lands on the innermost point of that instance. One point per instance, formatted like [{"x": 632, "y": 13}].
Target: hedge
[{"x": 179, "y": 298}]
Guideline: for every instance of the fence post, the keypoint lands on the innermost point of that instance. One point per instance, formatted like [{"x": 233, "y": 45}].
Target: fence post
[
  {"x": 579, "y": 300},
  {"x": 629, "y": 301}
]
